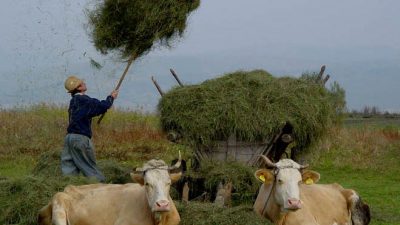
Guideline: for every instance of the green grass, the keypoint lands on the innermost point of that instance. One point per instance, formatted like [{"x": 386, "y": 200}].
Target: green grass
[
  {"x": 196, "y": 213},
  {"x": 381, "y": 191},
  {"x": 16, "y": 167},
  {"x": 364, "y": 157}
]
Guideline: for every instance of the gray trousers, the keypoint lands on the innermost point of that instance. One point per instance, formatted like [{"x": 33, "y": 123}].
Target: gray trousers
[{"x": 78, "y": 156}]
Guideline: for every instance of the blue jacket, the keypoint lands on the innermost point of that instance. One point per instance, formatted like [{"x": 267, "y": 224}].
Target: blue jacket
[{"x": 82, "y": 109}]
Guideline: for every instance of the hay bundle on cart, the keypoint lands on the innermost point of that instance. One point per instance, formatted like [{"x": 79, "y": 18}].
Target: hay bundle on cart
[{"x": 241, "y": 115}]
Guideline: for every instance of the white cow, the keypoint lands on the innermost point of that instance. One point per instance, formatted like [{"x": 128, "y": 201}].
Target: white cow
[
  {"x": 289, "y": 196},
  {"x": 145, "y": 203}
]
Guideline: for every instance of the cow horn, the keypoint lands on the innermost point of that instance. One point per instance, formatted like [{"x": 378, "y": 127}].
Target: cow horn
[
  {"x": 177, "y": 164},
  {"x": 304, "y": 166},
  {"x": 139, "y": 170},
  {"x": 268, "y": 162}
]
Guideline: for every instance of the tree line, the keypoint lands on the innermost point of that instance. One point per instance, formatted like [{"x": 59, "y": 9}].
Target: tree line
[{"x": 373, "y": 111}]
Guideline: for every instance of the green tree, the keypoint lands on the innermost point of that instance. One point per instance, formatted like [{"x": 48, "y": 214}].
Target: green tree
[{"x": 338, "y": 101}]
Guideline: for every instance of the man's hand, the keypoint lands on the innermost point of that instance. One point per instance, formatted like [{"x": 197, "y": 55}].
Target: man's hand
[{"x": 114, "y": 94}]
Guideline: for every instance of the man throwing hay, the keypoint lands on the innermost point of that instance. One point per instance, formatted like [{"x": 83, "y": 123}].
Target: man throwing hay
[{"x": 78, "y": 154}]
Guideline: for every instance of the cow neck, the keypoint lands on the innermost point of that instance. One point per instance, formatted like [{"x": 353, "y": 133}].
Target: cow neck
[
  {"x": 270, "y": 193},
  {"x": 282, "y": 219},
  {"x": 160, "y": 218},
  {"x": 157, "y": 218}
]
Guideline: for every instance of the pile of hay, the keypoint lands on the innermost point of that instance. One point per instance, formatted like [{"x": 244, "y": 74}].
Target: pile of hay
[
  {"x": 48, "y": 165},
  {"x": 252, "y": 105},
  {"x": 244, "y": 184},
  {"x": 21, "y": 199},
  {"x": 196, "y": 213},
  {"x": 132, "y": 27}
]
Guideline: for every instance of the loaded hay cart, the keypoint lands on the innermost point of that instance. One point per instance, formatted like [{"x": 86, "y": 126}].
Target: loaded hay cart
[{"x": 241, "y": 115}]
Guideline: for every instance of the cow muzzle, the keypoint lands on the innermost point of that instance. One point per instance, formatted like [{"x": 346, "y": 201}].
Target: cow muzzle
[
  {"x": 293, "y": 204},
  {"x": 162, "y": 206}
]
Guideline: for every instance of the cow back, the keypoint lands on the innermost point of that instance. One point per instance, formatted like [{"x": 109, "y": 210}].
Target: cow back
[
  {"x": 104, "y": 204},
  {"x": 322, "y": 204}
]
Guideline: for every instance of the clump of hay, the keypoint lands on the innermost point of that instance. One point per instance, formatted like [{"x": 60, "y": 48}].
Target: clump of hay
[
  {"x": 48, "y": 165},
  {"x": 115, "y": 172},
  {"x": 196, "y": 213},
  {"x": 252, "y": 105},
  {"x": 244, "y": 184},
  {"x": 132, "y": 27},
  {"x": 22, "y": 198}
]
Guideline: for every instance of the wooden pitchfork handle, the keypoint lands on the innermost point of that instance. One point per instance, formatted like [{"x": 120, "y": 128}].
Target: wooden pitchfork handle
[{"x": 130, "y": 61}]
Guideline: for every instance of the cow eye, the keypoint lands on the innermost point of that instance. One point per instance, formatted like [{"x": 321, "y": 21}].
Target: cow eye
[{"x": 280, "y": 181}]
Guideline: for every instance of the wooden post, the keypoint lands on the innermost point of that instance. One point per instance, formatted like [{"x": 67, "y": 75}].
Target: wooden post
[
  {"x": 185, "y": 193},
  {"x": 224, "y": 195},
  {"x": 176, "y": 77},
  {"x": 157, "y": 86},
  {"x": 325, "y": 79},
  {"x": 321, "y": 72},
  {"x": 228, "y": 194},
  {"x": 267, "y": 150},
  {"x": 220, "y": 196}
]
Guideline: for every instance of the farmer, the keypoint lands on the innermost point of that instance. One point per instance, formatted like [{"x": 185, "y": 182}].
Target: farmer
[{"x": 78, "y": 154}]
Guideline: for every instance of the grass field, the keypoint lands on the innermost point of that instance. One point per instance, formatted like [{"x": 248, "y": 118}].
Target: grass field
[
  {"x": 372, "y": 121},
  {"x": 362, "y": 155}
]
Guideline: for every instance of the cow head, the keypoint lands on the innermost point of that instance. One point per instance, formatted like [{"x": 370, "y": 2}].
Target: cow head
[
  {"x": 285, "y": 179},
  {"x": 157, "y": 177}
]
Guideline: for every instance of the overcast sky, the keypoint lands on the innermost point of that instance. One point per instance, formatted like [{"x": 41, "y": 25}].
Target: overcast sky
[{"x": 43, "y": 41}]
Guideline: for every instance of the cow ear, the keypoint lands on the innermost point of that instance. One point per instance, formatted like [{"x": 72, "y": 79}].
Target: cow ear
[
  {"x": 175, "y": 176},
  {"x": 138, "y": 177},
  {"x": 310, "y": 177},
  {"x": 264, "y": 176}
]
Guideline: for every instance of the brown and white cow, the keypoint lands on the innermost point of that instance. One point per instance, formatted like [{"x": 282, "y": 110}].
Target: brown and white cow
[
  {"x": 289, "y": 196},
  {"x": 145, "y": 203}
]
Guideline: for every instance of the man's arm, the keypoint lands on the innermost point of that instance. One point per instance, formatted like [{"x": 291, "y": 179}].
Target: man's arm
[{"x": 98, "y": 107}]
